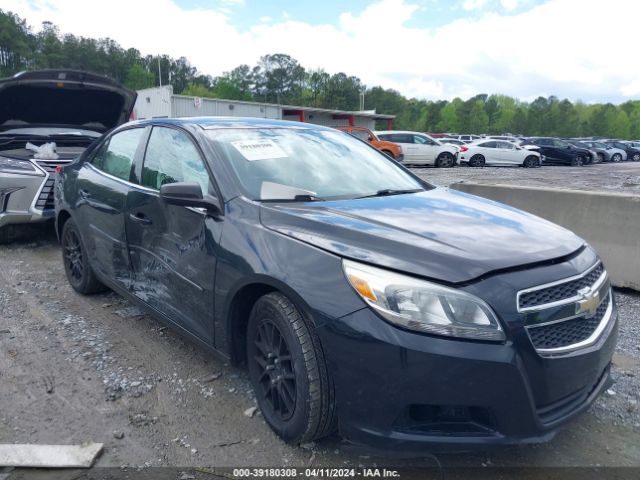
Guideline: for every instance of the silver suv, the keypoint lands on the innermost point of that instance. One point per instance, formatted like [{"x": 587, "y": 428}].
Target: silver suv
[{"x": 47, "y": 119}]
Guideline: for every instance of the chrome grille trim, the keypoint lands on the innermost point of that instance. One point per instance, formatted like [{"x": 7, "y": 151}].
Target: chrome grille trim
[
  {"x": 593, "y": 338},
  {"x": 564, "y": 301}
]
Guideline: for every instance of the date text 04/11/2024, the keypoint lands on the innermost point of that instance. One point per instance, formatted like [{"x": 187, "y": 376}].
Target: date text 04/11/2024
[{"x": 315, "y": 473}]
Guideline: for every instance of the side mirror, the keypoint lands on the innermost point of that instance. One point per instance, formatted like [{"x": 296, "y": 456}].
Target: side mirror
[{"x": 189, "y": 194}]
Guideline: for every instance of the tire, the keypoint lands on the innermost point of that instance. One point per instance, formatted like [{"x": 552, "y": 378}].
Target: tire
[
  {"x": 636, "y": 157},
  {"x": 387, "y": 153},
  {"x": 600, "y": 157},
  {"x": 616, "y": 157},
  {"x": 445, "y": 160},
  {"x": 79, "y": 272},
  {"x": 4, "y": 235},
  {"x": 530, "y": 162},
  {"x": 476, "y": 160},
  {"x": 288, "y": 372},
  {"x": 577, "y": 161}
]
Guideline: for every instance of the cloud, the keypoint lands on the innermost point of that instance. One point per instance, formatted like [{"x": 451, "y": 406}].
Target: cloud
[
  {"x": 474, "y": 4},
  {"x": 569, "y": 48}
]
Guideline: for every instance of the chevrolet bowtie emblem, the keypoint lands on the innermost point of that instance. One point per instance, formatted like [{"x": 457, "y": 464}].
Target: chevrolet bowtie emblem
[{"x": 588, "y": 304}]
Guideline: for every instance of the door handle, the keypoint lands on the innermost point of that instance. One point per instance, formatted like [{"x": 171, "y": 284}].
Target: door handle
[{"x": 140, "y": 218}]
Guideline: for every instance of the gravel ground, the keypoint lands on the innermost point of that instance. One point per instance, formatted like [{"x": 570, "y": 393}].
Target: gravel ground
[{"x": 617, "y": 177}]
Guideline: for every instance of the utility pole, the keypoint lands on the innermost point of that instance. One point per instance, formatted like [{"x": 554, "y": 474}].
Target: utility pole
[{"x": 159, "y": 72}]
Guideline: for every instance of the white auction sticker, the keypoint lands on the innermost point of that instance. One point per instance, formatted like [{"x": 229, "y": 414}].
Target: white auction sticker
[{"x": 259, "y": 149}]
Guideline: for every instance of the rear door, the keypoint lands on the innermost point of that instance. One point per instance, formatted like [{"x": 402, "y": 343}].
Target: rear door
[
  {"x": 507, "y": 154},
  {"x": 173, "y": 248},
  {"x": 427, "y": 148},
  {"x": 103, "y": 185}
]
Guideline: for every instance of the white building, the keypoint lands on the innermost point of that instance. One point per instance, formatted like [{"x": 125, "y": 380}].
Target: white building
[{"x": 161, "y": 102}]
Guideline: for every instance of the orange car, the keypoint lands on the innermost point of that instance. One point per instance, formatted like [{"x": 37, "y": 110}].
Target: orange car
[{"x": 392, "y": 149}]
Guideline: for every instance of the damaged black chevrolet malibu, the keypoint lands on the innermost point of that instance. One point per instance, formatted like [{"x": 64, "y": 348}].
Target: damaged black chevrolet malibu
[{"x": 360, "y": 297}]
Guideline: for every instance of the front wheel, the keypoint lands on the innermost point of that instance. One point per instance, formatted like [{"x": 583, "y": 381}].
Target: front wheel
[
  {"x": 530, "y": 162},
  {"x": 76, "y": 261},
  {"x": 577, "y": 161},
  {"x": 616, "y": 158},
  {"x": 445, "y": 160},
  {"x": 636, "y": 157},
  {"x": 288, "y": 371}
]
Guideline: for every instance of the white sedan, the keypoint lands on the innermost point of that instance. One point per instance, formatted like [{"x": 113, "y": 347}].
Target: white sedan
[{"x": 498, "y": 152}]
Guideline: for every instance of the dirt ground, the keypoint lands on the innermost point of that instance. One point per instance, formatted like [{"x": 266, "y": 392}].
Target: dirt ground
[
  {"x": 76, "y": 369},
  {"x": 609, "y": 177}
]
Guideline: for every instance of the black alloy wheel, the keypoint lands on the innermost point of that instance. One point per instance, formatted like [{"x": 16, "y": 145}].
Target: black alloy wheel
[
  {"x": 530, "y": 162},
  {"x": 288, "y": 372}
]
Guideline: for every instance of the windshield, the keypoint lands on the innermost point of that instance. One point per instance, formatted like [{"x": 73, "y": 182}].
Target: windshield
[{"x": 308, "y": 162}]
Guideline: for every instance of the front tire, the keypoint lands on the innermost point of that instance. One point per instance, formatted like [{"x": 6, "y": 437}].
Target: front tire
[
  {"x": 445, "y": 160},
  {"x": 636, "y": 157},
  {"x": 577, "y": 161},
  {"x": 616, "y": 158},
  {"x": 76, "y": 261},
  {"x": 288, "y": 372},
  {"x": 530, "y": 162}
]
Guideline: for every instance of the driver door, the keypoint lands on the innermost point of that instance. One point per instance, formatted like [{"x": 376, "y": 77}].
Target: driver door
[{"x": 173, "y": 249}]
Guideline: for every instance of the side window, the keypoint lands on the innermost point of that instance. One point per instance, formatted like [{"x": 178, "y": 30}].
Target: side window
[
  {"x": 172, "y": 157},
  {"x": 506, "y": 146},
  {"x": 361, "y": 134},
  {"x": 116, "y": 156},
  {"x": 419, "y": 140},
  {"x": 489, "y": 144}
]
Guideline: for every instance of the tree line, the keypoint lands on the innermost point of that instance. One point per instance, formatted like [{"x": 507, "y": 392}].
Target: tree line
[{"x": 279, "y": 78}]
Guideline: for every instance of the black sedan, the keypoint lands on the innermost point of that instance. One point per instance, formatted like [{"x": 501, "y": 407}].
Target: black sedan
[
  {"x": 360, "y": 297},
  {"x": 560, "y": 152}
]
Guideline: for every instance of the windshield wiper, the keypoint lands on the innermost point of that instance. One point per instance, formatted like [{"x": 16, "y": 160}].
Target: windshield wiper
[{"x": 386, "y": 192}]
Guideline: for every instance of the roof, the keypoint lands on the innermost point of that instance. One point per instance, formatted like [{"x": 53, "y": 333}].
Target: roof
[
  {"x": 210, "y": 123},
  {"x": 359, "y": 113}
]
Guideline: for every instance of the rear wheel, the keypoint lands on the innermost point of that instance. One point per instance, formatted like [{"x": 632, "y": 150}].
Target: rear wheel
[
  {"x": 577, "y": 161},
  {"x": 288, "y": 371},
  {"x": 76, "y": 262},
  {"x": 476, "y": 160},
  {"x": 600, "y": 157},
  {"x": 530, "y": 162},
  {"x": 388, "y": 153},
  {"x": 616, "y": 157},
  {"x": 636, "y": 157},
  {"x": 445, "y": 160}
]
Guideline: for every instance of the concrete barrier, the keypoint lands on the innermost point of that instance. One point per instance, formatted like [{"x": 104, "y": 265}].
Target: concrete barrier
[{"x": 610, "y": 222}]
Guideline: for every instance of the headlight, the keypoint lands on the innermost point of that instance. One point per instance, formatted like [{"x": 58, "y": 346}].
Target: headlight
[
  {"x": 9, "y": 165},
  {"x": 423, "y": 306}
]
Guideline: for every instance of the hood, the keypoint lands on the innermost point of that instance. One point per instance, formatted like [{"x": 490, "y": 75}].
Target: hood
[
  {"x": 64, "y": 98},
  {"x": 441, "y": 234}
]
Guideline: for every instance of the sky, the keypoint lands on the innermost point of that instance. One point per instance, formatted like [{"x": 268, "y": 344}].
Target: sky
[{"x": 428, "y": 49}]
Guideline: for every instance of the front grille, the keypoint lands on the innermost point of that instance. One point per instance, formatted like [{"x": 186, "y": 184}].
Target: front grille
[
  {"x": 559, "y": 292},
  {"x": 568, "y": 332},
  {"x": 45, "y": 198}
]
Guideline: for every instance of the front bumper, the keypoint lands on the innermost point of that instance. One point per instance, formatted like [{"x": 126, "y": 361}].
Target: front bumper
[
  {"x": 399, "y": 389},
  {"x": 25, "y": 198}
]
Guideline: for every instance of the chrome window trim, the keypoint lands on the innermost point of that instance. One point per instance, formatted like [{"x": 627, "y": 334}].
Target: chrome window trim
[
  {"x": 564, "y": 301},
  {"x": 593, "y": 338}
]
